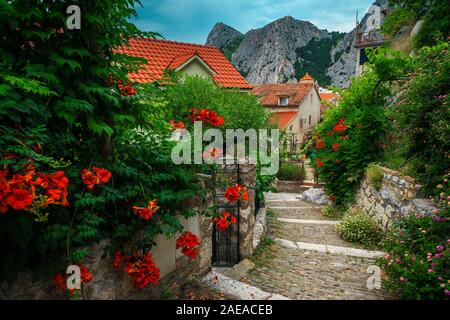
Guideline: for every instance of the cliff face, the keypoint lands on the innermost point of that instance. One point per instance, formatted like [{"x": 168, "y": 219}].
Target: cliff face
[
  {"x": 222, "y": 36},
  {"x": 287, "y": 48},
  {"x": 343, "y": 59},
  {"x": 343, "y": 55},
  {"x": 268, "y": 54}
]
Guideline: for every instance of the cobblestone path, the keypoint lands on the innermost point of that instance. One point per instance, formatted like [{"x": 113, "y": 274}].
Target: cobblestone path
[{"x": 309, "y": 260}]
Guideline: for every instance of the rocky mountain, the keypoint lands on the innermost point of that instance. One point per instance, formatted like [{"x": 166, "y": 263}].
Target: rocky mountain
[
  {"x": 343, "y": 55},
  {"x": 343, "y": 61},
  {"x": 222, "y": 36},
  {"x": 285, "y": 49},
  {"x": 268, "y": 54}
]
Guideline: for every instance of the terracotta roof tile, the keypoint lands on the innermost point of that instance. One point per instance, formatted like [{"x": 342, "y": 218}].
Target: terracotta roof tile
[
  {"x": 306, "y": 77},
  {"x": 283, "y": 118},
  {"x": 327, "y": 96},
  {"x": 163, "y": 54},
  {"x": 269, "y": 93}
]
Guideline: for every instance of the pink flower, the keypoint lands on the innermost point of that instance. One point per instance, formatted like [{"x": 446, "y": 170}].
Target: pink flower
[{"x": 440, "y": 248}]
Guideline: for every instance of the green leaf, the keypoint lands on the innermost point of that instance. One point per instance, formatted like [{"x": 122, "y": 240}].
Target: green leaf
[
  {"x": 99, "y": 127},
  {"x": 29, "y": 85},
  {"x": 72, "y": 64},
  {"x": 123, "y": 118},
  {"x": 78, "y": 255},
  {"x": 4, "y": 88}
]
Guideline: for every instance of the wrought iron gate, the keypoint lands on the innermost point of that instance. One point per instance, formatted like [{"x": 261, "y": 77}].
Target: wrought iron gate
[{"x": 225, "y": 244}]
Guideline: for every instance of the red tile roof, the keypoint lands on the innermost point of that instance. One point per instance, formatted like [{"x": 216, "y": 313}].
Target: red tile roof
[
  {"x": 327, "y": 96},
  {"x": 306, "y": 77},
  {"x": 269, "y": 93},
  {"x": 283, "y": 118},
  {"x": 164, "y": 54},
  {"x": 178, "y": 61}
]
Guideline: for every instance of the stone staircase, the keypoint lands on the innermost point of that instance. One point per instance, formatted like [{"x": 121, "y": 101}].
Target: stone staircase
[{"x": 309, "y": 260}]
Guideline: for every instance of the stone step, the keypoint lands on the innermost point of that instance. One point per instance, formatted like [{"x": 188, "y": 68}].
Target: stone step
[
  {"x": 330, "y": 249},
  {"x": 295, "y": 203},
  {"x": 238, "y": 289},
  {"x": 313, "y": 275},
  {"x": 308, "y": 221},
  {"x": 278, "y": 196},
  {"x": 313, "y": 213},
  {"x": 325, "y": 234}
]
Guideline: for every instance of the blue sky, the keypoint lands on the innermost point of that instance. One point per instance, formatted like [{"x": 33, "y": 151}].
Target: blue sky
[{"x": 191, "y": 20}]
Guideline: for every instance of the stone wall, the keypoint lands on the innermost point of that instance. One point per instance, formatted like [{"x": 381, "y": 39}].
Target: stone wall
[
  {"x": 260, "y": 228},
  {"x": 398, "y": 195},
  {"x": 289, "y": 186}
]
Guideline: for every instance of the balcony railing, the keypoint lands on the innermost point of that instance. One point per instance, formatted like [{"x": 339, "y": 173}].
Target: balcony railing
[{"x": 373, "y": 38}]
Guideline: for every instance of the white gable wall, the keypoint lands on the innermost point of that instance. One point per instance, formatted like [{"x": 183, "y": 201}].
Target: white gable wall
[
  {"x": 310, "y": 106},
  {"x": 195, "y": 68}
]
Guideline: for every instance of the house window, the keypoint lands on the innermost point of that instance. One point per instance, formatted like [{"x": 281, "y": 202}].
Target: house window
[
  {"x": 283, "y": 101},
  {"x": 309, "y": 119},
  {"x": 290, "y": 128}
]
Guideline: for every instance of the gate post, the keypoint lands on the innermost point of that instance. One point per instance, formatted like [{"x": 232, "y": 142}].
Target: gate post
[{"x": 247, "y": 177}]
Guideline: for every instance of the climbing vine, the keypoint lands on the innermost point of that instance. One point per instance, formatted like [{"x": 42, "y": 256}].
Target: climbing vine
[{"x": 74, "y": 169}]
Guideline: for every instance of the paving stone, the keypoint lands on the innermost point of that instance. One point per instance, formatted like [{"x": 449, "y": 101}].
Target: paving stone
[
  {"x": 309, "y": 261},
  {"x": 320, "y": 280},
  {"x": 307, "y": 221},
  {"x": 313, "y": 233},
  {"x": 313, "y": 213}
]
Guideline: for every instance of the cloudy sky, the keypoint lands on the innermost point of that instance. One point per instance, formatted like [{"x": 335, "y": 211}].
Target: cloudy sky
[{"x": 191, "y": 20}]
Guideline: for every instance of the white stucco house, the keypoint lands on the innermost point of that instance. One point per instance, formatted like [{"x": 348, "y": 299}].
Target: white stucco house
[{"x": 295, "y": 107}]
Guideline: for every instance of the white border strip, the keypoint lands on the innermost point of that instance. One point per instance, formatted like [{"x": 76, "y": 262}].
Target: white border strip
[
  {"x": 305, "y": 221},
  {"x": 238, "y": 289},
  {"x": 324, "y": 248}
]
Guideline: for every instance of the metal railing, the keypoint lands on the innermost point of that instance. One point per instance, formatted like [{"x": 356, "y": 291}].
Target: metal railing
[{"x": 372, "y": 38}]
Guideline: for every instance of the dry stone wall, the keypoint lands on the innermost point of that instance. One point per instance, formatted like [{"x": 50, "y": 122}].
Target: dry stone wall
[{"x": 398, "y": 195}]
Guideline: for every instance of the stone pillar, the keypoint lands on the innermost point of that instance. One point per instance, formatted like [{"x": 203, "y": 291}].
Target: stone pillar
[{"x": 247, "y": 211}]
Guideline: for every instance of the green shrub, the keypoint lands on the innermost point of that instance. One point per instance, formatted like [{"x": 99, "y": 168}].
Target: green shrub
[
  {"x": 418, "y": 247},
  {"x": 436, "y": 24},
  {"x": 291, "y": 172},
  {"x": 353, "y": 134},
  {"x": 395, "y": 20},
  {"x": 263, "y": 184},
  {"x": 333, "y": 212},
  {"x": 60, "y": 100},
  {"x": 375, "y": 176},
  {"x": 420, "y": 118},
  {"x": 357, "y": 227},
  {"x": 357, "y": 145},
  {"x": 240, "y": 111}
]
